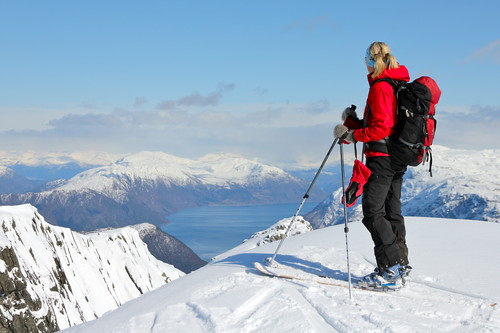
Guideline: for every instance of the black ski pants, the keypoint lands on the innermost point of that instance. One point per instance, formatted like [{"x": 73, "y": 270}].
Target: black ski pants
[{"x": 382, "y": 211}]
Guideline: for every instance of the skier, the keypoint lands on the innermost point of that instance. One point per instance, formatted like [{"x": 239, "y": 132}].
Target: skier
[{"x": 382, "y": 193}]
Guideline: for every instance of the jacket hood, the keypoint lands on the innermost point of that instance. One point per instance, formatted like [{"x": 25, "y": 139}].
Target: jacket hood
[{"x": 401, "y": 74}]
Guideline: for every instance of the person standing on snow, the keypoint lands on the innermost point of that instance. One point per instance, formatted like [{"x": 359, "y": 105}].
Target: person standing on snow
[{"x": 382, "y": 192}]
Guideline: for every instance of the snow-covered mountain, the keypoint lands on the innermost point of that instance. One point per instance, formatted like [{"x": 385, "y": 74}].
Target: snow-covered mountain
[
  {"x": 148, "y": 186},
  {"x": 11, "y": 182},
  {"x": 222, "y": 170},
  {"x": 52, "y": 278},
  {"x": 454, "y": 287},
  {"x": 465, "y": 184}
]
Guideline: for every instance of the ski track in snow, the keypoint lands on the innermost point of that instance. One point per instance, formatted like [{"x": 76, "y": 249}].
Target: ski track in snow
[
  {"x": 462, "y": 309},
  {"x": 283, "y": 304}
]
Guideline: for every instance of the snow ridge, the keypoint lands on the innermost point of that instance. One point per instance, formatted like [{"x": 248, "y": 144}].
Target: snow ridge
[{"x": 56, "y": 276}]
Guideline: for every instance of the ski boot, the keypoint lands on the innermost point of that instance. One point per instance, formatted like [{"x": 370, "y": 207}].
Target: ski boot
[
  {"x": 388, "y": 279},
  {"x": 405, "y": 273}
]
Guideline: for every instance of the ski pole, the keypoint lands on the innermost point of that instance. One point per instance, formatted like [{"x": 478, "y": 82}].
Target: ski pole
[
  {"x": 270, "y": 260},
  {"x": 346, "y": 228}
]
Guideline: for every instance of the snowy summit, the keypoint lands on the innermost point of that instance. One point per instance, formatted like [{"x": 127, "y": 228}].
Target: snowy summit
[{"x": 454, "y": 287}]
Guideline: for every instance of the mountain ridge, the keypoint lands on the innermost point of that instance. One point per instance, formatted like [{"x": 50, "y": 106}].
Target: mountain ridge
[
  {"x": 52, "y": 277},
  {"x": 149, "y": 186}
]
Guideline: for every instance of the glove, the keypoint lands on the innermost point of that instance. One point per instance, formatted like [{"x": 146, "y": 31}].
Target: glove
[
  {"x": 349, "y": 112},
  {"x": 342, "y": 132}
]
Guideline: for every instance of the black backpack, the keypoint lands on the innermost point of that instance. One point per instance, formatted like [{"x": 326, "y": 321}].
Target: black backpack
[{"x": 416, "y": 125}]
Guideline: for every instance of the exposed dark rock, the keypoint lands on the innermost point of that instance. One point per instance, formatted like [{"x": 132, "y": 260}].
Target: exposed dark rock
[
  {"x": 169, "y": 249},
  {"x": 14, "y": 294}
]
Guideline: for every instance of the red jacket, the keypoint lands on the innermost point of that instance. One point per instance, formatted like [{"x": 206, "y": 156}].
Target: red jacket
[{"x": 380, "y": 111}]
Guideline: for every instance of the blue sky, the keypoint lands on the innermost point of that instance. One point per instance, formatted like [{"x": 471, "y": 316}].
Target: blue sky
[{"x": 264, "y": 79}]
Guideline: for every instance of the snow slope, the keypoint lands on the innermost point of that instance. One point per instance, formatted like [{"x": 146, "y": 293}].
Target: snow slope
[
  {"x": 454, "y": 289},
  {"x": 52, "y": 274}
]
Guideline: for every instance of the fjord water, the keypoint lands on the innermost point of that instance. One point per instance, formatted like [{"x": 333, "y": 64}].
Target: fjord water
[{"x": 212, "y": 230}]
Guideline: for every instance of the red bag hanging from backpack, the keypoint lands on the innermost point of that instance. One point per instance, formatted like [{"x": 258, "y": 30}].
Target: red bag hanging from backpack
[{"x": 360, "y": 175}]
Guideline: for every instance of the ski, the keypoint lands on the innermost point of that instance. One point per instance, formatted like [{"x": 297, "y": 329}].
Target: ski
[{"x": 290, "y": 273}]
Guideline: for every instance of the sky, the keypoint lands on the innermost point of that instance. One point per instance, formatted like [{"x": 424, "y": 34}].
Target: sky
[{"x": 267, "y": 80}]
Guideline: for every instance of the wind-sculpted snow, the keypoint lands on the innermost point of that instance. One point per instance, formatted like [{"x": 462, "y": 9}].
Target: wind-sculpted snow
[
  {"x": 454, "y": 287},
  {"x": 464, "y": 184},
  {"x": 52, "y": 277}
]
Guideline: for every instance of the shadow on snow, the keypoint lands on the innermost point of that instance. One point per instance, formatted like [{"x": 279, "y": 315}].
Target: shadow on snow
[{"x": 247, "y": 260}]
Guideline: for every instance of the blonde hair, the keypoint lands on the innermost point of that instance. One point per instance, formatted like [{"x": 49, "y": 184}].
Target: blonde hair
[{"x": 381, "y": 53}]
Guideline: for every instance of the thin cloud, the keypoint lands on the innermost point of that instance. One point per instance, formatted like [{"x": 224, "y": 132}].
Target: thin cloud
[
  {"x": 321, "y": 106},
  {"x": 489, "y": 52},
  {"x": 261, "y": 91},
  {"x": 85, "y": 120},
  {"x": 281, "y": 133},
  {"x": 197, "y": 99},
  {"x": 313, "y": 24},
  {"x": 167, "y": 105},
  {"x": 88, "y": 106},
  {"x": 474, "y": 113},
  {"x": 140, "y": 101},
  {"x": 474, "y": 127}
]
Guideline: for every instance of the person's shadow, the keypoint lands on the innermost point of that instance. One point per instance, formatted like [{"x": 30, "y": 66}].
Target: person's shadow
[{"x": 247, "y": 260}]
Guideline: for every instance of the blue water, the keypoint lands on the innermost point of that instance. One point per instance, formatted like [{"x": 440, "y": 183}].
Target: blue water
[{"x": 209, "y": 231}]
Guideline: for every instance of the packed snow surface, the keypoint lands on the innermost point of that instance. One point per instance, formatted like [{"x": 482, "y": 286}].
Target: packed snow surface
[{"x": 454, "y": 288}]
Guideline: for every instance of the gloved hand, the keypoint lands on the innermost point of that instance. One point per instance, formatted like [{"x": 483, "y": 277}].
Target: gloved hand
[
  {"x": 342, "y": 132},
  {"x": 349, "y": 112}
]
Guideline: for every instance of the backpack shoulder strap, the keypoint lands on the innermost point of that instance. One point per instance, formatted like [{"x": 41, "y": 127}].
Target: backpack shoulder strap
[{"x": 396, "y": 84}]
